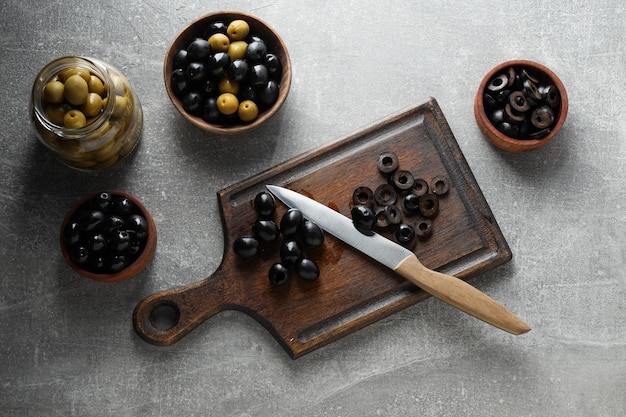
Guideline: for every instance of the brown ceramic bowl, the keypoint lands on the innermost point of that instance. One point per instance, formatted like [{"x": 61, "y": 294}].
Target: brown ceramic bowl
[
  {"x": 545, "y": 77},
  {"x": 258, "y": 27},
  {"x": 130, "y": 270}
]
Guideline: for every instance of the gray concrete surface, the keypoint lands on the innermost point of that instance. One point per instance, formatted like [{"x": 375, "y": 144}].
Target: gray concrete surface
[{"x": 67, "y": 347}]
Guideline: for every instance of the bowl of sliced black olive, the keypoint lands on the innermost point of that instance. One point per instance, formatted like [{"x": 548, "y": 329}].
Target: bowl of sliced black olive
[
  {"x": 227, "y": 72},
  {"x": 108, "y": 236},
  {"x": 520, "y": 105}
]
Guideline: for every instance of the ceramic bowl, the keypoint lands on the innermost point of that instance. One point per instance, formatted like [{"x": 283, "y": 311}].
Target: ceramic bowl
[
  {"x": 258, "y": 27},
  {"x": 519, "y": 139},
  {"x": 140, "y": 260}
]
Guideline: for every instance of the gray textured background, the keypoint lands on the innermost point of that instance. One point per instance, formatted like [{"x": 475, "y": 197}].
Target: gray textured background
[{"x": 67, "y": 347}]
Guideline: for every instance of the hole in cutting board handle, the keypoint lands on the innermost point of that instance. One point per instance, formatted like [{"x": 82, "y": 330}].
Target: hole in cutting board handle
[{"x": 165, "y": 316}]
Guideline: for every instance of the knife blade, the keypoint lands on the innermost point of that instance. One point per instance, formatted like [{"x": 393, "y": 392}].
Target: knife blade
[{"x": 447, "y": 288}]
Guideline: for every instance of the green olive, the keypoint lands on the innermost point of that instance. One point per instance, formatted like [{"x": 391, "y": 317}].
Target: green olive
[
  {"x": 55, "y": 113},
  {"x": 120, "y": 106},
  {"x": 74, "y": 119},
  {"x": 68, "y": 72},
  {"x": 238, "y": 30},
  {"x": 219, "y": 42},
  {"x": 53, "y": 92},
  {"x": 227, "y": 103},
  {"x": 92, "y": 105},
  {"x": 247, "y": 111},
  {"x": 95, "y": 85},
  {"x": 76, "y": 90},
  {"x": 226, "y": 85},
  {"x": 237, "y": 50}
]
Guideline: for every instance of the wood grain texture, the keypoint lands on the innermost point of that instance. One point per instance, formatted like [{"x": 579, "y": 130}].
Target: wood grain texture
[{"x": 353, "y": 290}]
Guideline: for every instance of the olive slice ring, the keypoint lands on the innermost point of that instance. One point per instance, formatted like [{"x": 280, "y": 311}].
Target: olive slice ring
[
  {"x": 385, "y": 195},
  {"x": 439, "y": 185},
  {"x": 423, "y": 228},
  {"x": 381, "y": 217},
  {"x": 393, "y": 214},
  {"x": 363, "y": 196},
  {"x": 402, "y": 180},
  {"x": 429, "y": 205},
  {"x": 387, "y": 162},
  {"x": 420, "y": 187}
]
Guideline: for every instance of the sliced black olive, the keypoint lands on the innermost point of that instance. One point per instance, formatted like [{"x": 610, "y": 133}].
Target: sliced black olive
[
  {"x": 531, "y": 92},
  {"x": 410, "y": 202},
  {"x": 542, "y": 117},
  {"x": 402, "y": 180},
  {"x": 363, "y": 218},
  {"x": 423, "y": 228},
  {"x": 363, "y": 195},
  {"x": 420, "y": 187},
  {"x": 264, "y": 204},
  {"x": 290, "y": 223},
  {"x": 551, "y": 96},
  {"x": 405, "y": 233},
  {"x": 246, "y": 246},
  {"x": 512, "y": 115},
  {"x": 278, "y": 274},
  {"x": 518, "y": 102},
  {"x": 525, "y": 75},
  {"x": 512, "y": 75},
  {"x": 311, "y": 234},
  {"x": 387, "y": 162},
  {"x": 498, "y": 83},
  {"x": 393, "y": 214},
  {"x": 307, "y": 269},
  {"x": 385, "y": 195},
  {"x": 439, "y": 185},
  {"x": 381, "y": 217},
  {"x": 429, "y": 205},
  {"x": 290, "y": 252},
  {"x": 540, "y": 134},
  {"x": 265, "y": 230}
]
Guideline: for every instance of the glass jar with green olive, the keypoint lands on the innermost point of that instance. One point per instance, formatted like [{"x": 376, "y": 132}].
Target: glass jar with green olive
[{"x": 85, "y": 112}]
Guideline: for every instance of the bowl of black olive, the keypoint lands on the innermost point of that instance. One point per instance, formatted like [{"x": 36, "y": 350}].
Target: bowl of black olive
[
  {"x": 227, "y": 72},
  {"x": 520, "y": 105},
  {"x": 108, "y": 236}
]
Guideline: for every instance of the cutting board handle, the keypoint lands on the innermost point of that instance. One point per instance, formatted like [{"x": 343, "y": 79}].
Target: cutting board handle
[{"x": 166, "y": 317}]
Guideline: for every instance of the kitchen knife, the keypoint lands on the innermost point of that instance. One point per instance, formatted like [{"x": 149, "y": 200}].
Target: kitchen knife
[{"x": 452, "y": 290}]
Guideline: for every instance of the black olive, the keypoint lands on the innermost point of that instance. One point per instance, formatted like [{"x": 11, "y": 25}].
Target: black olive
[
  {"x": 256, "y": 51},
  {"x": 79, "y": 254},
  {"x": 405, "y": 233},
  {"x": 265, "y": 230},
  {"x": 264, "y": 204},
  {"x": 115, "y": 262},
  {"x": 192, "y": 103},
  {"x": 246, "y": 246},
  {"x": 218, "y": 62},
  {"x": 489, "y": 100},
  {"x": 71, "y": 234},
  {"x": 439, "y": 185},
  {"x": 247, "y": 92},
  {"x": 290, "y": 252},
  {"x": 402, "y": 180},
  {"x": 196, "y": 72},
  {"x": 101, "y": 201},
  {"x": 135, "y": 247},
  {"x": 268, "y": 94},
  {"x": 363, "y": 218},
  {"x": 496, "y": 116},
  {"x": 420, "y": 187},
  {"x": 278, "y": 274},
  {"x": 96, "y": 243},
  {"x": 290, "y": 223},
  {"x": 238, "y": 70},
  {"x": 210, "y": 88},
  {"x": 119, "y": 240},
  {"x": 258, "y": 75},
  {"x": 137, "y": 224},
  {"x": 179, "y": 82},
  {"x": 423, "y": 228},
  {"x": 311, "y": 234},
  {"x": 96, "y": 264},
  {"x": 387, "y": 162},
  {"x": 210, "y": 113},
  {"x": 215, "y": 27},
  {"x": 508, "y": 129},
  {"x": 307, "y": 269},
  {"x": 363, "y": 195},
  {"x": 180, "y": 59},
  {"x": 113, "y": 222},
  {"x": 410, "y": 202},
  {"x": 542, "y": 117},
  {"x": 90, "y": 220},
  {"x": 122, "y": 206},
  {"x": 429, "y": 205},
  {"x": 385, "y": 195},
  {"x": 274, "y": 67},
  {"x": 198, "y": 50}
]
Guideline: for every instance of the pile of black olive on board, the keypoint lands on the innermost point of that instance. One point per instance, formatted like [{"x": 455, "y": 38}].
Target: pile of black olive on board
[
  {"x": 519, "y": 105},
  {"x": 404, "y": 203},
  {"x": 298, "y": 234}
]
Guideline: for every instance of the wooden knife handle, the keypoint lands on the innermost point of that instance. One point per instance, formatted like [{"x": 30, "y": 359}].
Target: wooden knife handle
[
  {"x": 166, "y": 317},
  {"x": 461, "y": 295}
]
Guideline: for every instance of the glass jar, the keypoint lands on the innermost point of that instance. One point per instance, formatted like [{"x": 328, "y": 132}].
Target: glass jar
[{"x": 90, "y": 133}]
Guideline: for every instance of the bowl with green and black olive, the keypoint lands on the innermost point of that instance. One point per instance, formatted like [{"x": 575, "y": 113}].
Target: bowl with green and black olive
[
  {"x": 520, "y": 105},
  {"x": 227, "y": 72}
]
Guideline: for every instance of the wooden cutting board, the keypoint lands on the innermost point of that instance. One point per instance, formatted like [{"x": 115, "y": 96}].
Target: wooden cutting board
[{"x": 352, "y": 290}]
